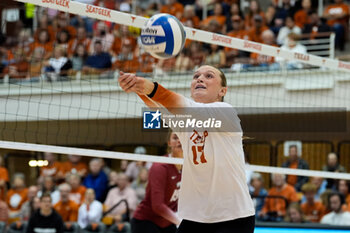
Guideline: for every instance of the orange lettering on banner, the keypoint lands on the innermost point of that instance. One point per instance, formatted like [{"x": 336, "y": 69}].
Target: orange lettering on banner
[
  {"x": 63, "y": 3},
  {"x": 251, "y": 45},
  {"x": 98, "y": 11},
  {"x": 344, "y": 65},
  {"x": 222, "y": 39},
  {"x": 133, "y": 18},
  {"x": 301, "y": 56}
]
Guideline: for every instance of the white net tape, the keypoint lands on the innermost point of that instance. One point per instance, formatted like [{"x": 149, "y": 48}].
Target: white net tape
[{"x": 158, "y": 159}]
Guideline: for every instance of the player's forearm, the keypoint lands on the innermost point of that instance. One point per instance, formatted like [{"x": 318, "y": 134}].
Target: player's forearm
[{"x": 167, "y": 98}]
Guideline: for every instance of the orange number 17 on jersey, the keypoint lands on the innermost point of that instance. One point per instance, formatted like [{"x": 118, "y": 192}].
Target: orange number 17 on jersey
[{"x": 199, "y": 147}]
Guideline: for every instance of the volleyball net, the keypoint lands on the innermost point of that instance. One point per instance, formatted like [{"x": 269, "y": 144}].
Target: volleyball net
[{"x": 85, "y": 108}]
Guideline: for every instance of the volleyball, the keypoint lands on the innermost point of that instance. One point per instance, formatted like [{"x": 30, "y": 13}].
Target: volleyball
[{"x": 163, "y": 36}]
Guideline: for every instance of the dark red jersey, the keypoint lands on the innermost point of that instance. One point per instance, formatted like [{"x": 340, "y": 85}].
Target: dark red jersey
[{"x": 162, "y": 193}]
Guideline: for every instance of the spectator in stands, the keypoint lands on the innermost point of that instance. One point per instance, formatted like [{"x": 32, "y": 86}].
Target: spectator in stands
[
  {"x": 257, "y": 29},
  {"x": 115, "y": 195},
  {"x": 81, "y": 39},
  {"x": 254, "y": 9},
  {"x": 337, "y": 15},
  {"x": 218, "y": 17},
  {"x": 73, "y": 165},
  {"x": 287, "y": 9},
  {"x": 295, "y": 162},
  {"x": 337, "y": 216},
  {"x": 235, "y": 11},
  {"x": 301, "y": 17},
  {"x": 190, "y": 14},
  {"x": 84, "y": 22},
  {"x": 53, "y": 166},
  {"x": 332, "y": 166},
  {"x": 79, "y": 58},
  {"x": 313, "y": 210},
  {"x": 6, "y": 58},
  {"x": 16, "y": 196},
  {"x": 126, "y": 60},
  {"x": 4, "y": 211},
  {"x": 286, "y": 30},
  {"x": 29, "y": 207},
  {"x": 4, "y": 179},
  {"x": 133, "y": 169},
  {"x": 215, "y": 27},
  {"x": 36, "y": 65},
  {"x": 43, "y": 47},
  {"x": 197, "y": 54},
  {"x": 68, "y": 209},
  {"x": 44, "y": 24},
  {"x": 316, "y": 27},
  {"x": 98, "y": 62},
  {"x": 48, "y": 186},
  {"x": 148, "y": 62},
  {"x": 123, "y": 165},
  {"x": 24, "y": 40},
  {"x": 58, "y": 65},
  {"x": 320, "y": 187},
  {"x": 215, "y": 56},
  {"x": 257, "y": 191},
  {"x": 275, "y": 208},
  {"x": 238, "y": 31},
  {"x": 343, "y": 187},
  {"x": 121, "y": 34},
  {"x": 90, "y": 211},
  {"x": 62, "y": 39},
  {"x": 101, "y": 34},
  {"x": 18, "y": 69},
  {"x": 183, "y": 61},
  {"x": 264, "y": 61},
  {"x": 173, "y": 7},
  {"x": 140, "y": 183},
  {"x": 62, "y": 24},
  {"x": 46, "y": 218},
  {"x": 113, "y": 180},
  {"x": 97, "y": 179},
  {"x": 166, "y": 65},
  {"x": 271, "y": 21},
  {"x": 295, "y": 214},
  {"x": 77, "y": 192}
]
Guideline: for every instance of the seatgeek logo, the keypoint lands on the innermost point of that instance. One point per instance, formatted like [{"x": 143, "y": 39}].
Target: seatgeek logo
[{"x": 151, "y": 119}]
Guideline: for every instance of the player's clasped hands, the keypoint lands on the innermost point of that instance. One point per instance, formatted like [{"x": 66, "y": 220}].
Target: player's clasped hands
[{"x": 131, "y": 83}]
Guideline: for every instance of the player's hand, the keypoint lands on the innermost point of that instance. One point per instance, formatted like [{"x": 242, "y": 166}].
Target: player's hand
[
  {"x": 127, "y": 81},
  {"x": 132, "y": 83}
]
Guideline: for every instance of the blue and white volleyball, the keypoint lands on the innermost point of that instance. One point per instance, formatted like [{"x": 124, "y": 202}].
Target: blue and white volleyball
[{"x": 163, "y": 36}]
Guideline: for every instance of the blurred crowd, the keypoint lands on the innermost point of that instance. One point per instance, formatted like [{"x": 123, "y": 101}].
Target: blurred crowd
[
  {"x": 78, "y": 191},
  {"x": 299, "y": 199},
  {"x": 59, "y": 45},
  {"x": 89, "y": 193}
]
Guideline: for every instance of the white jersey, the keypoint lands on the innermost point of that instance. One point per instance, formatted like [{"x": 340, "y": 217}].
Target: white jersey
[{"x": 213, "y": 186}]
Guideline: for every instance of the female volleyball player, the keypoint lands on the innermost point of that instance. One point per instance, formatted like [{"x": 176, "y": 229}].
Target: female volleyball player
[
  {"x": 214, "y": 196},
  {"x": 156, "y": 213}
]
